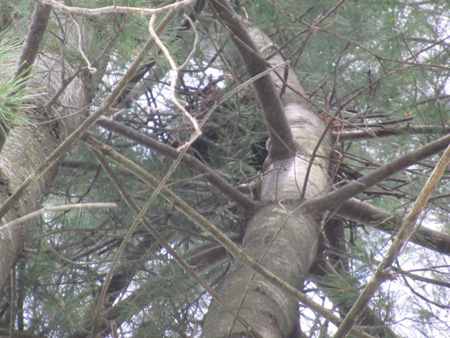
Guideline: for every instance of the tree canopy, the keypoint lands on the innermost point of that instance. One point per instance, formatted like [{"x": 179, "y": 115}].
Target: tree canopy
[{"x": 224, "y": 168}]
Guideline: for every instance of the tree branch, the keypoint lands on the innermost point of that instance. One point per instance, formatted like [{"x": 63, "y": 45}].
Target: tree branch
[
  {"x": 344, "y": 135},
  {"x": 116, "y": 9},
  {"x": 406, "y": 230},
  {"x": 67, "y": 143},
  {"x": 335, "y": 197},
  {"x": 226, "y": 188},
  {"x": 282, "y": 141},
  {"x": 63, "y": 207},
  {"x": 213, "y": 230},
  {"x": 369, "y": 215},
  {"x": 34, "y": 38}
]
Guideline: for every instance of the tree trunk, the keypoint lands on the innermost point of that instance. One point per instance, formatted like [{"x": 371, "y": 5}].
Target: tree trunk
[
  {"x": 279, "y": 235},
  {"x": 285, "y": 242},
  {"x": 26, "y": 147}
]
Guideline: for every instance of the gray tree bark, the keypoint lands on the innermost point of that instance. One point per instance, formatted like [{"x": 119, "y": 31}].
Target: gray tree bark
[{"x": 283, "y": 238}]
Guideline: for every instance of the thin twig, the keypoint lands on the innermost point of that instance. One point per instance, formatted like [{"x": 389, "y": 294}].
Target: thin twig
[
  {"x": 63, "y": 207},
  {"x": 116, "y": 9},
  {"x": 174, "y": 76},
  {"x": 90, "y": 67}
]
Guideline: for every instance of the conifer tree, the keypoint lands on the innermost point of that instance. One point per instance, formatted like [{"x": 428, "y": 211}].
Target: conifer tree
[{"x": 224, "y": 169}]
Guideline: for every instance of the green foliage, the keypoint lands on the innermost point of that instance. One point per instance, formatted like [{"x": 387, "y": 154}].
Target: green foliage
[{"x": 15, "y": 98}]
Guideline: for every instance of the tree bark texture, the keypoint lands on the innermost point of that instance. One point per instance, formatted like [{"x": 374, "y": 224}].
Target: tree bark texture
[
  {"x": 282, "y": 237},
  {"x": 28, "y": 146}
]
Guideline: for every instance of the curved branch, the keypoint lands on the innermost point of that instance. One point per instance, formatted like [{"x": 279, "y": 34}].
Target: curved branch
[
  {"x": 131, "y": 92},
  {"x": 115, "y": 9}
]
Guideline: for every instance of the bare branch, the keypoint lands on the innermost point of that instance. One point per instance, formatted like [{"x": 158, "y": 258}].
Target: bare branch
[
  {"x": 343, "y": 135},
  {"x": 334, "y": 198},
  {"x": 282, "y": 141},
  {"x": 174, "y": 76},
  {"x": 63, "y": 207},
  {"x": 90, "y": 67},
  {"x": 190, "y": 161},
  {"x": 133, "y": 91},
  {"x": 369, "y": 215},
  {"x": 34, "y": 39},
  {"x": 116, "y": 9}
]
